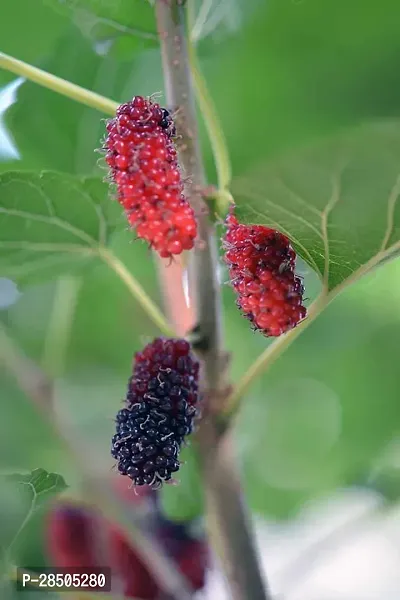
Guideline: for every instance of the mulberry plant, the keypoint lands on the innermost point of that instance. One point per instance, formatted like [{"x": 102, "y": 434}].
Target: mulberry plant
[{"x": 178, "y": 391}]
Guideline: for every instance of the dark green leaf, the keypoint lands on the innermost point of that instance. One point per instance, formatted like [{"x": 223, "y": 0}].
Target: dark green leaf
[
  {"x": 337, "y": 200},
  {"x": 52, "y": 221}
]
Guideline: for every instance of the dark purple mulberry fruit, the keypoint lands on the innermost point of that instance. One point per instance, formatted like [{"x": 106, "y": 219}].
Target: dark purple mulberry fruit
[{"x": 159, "y": 412}]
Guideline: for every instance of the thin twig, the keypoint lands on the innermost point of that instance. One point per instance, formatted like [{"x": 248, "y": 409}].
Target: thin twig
[
  {"x": 213, "y": 126},
  {"x": 57, "y": 84},
  {"x": 211, "y": 121},
  {"x": 270, "y": 355},
  {"x": 136, "y": 290},
  {"x": 225, "y": 511}
]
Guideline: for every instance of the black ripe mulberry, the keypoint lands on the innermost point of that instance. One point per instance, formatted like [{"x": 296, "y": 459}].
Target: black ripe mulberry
[
  {"x": 143, "y": 164},
  {"x": 159, "y": 412},
  {"x": 261, "y": 264}
]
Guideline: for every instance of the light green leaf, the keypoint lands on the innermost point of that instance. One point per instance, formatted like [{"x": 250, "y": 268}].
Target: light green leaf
[
  {"x": 51, "y": 221},
  {"x": 336, "y": 200},
  {"x": 42, "y": 485},
  {"x": 22, "y": 495}
]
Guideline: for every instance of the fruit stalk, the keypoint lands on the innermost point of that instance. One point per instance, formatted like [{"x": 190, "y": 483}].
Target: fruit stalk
[
  {"x": 227, "y": 521},
  {"x": 57, "y": 84}
]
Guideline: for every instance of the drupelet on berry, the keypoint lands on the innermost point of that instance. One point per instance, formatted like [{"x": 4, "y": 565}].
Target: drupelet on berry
[
  {"x": 143, "y": 164},
  {"x": 159, "y": 412},
  {"x": 261, "y": 264}
]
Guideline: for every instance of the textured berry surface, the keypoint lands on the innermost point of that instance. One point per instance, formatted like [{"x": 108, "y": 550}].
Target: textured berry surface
[
  {"x": 73, "y": 533},
  {"x": 261, "y": 265},
  {"x": 159, "y": 412},
  {"x": 143, "y": 164}
]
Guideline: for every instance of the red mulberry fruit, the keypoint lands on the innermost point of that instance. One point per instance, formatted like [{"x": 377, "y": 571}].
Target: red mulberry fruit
[
  {"x": 190, "y": 553},
  {"x": 143, "y": 162},
  {"x": 159, "y": 413},
  {"x": 261, "y": 265},
  {"x": 137, "y": 581},
  {"x": 70, "y": 536},
  {"x": 72, "y": 543}
]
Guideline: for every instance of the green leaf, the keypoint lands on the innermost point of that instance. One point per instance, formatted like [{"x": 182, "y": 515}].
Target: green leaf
[
  {"x": 62, "y": 134},
  {"x": 337, "y": 200},
  {"x": 22, "y": 496},
  {"x": 52, "y": 222},
  {"x": 184, "y": 502},
  {"x": 42, "y": 485},
  {"x": 301, "y": 69},
  {"x": 59, "y": 133},
  {"x": 28, "y": 30},
  {"x": 124, "y": 24}
]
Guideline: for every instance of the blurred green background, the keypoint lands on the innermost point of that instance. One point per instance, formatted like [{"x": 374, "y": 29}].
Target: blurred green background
[{"x": 282, "y": 73}]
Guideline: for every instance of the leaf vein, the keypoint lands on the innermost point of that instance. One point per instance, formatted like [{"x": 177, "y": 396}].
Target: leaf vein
[
  {"x": 50, "y": 221},
  {"x": 392, "y": 201}
]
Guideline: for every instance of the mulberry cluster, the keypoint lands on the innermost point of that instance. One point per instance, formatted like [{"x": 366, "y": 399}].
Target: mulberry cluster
[
  {"x": 261, "y": 265},
  {"x": 159, "y": 412},
  {"x": 143, "y": 162}
]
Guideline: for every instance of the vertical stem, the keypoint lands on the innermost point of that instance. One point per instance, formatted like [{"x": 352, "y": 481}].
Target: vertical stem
[
  {"x": 178, "y": 89},
  {"x": 227, "y": 520}
]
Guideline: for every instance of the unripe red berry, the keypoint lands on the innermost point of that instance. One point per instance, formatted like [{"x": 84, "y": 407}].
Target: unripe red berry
[
  {"x": 261, "y": 265},
  {"x": 143, "y": 165}
]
